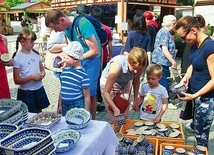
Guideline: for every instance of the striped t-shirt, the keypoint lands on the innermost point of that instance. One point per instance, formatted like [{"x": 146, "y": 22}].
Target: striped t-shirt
[{"x": 73, "y": 81}]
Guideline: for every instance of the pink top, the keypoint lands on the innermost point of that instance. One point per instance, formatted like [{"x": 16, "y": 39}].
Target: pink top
[{"x": 4, "y": 91}]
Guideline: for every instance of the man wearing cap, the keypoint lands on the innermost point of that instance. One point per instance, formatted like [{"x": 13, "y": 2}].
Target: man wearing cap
[{"x": 75, "y": 91}]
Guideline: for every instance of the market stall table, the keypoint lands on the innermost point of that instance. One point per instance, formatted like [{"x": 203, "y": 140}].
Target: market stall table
[{"x": 98, "y": 138}]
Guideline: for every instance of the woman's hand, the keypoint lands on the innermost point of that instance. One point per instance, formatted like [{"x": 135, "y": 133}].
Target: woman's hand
[
  {"x": 186, "y": 96},
  {"x": 135, "y": 107}
]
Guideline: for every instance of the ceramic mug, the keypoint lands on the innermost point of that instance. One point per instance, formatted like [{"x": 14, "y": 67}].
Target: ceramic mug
[
  {"x": 142, "y": 141},
  {"x": 180, "y": 151},
  {"x": 150, "y": 149},
  {"x": 180, "y": 88},
  {"x": 121, "y": 120},
  {"x": 198, "y": 149},
  {"x": 56, "y": 62},
  {"x": 169, "y": 148}
]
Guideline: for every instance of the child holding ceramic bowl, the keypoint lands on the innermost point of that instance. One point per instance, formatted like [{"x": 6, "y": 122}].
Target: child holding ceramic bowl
[
  {"x": 153, "y": 99},
  {"x": 75, "y": 91}
]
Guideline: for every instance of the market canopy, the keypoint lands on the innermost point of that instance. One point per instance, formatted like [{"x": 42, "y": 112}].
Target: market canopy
[
  {"x": 30, "y": 7},
  {"x": 203, "y": 2}
]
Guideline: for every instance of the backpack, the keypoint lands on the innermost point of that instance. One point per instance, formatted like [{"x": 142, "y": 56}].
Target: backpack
[{"x": 97, "y": 26}]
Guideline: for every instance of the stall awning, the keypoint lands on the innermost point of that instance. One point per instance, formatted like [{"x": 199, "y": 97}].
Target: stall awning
[
  {"x": 203, "y": 2},
  {"x": 29, "y": 6}
]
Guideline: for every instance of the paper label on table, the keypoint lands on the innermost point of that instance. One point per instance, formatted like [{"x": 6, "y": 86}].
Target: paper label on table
[{"x": 61, "y": 145}]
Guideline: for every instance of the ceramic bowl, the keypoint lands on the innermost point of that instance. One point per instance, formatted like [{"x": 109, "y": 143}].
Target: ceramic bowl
[
  {"x": 174, "y": 126},
  {"x": 138, "y": 124},
  {"x": 8, "y": 107},
  {"x": 77, "y": 118},
  {"x": 7, "y": 129},
  {"x": 44, "y": 120},
  {"x": 5, "y": 59},
  {"x": 65, "y": 139},
  {"x": 26, "y": 141},
  {"x": 180, "y": 88}
]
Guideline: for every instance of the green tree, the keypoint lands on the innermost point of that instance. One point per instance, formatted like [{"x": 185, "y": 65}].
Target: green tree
[
  {"x": 12, "y": 3},
  {"x": 46, "y": 1}
]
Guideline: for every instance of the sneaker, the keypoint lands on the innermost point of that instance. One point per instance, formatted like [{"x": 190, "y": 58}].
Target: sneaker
[
  {"x": 100, "y": 107},
  {"x": 171, "y": 106},
  {"x": 188, "y": 126}
]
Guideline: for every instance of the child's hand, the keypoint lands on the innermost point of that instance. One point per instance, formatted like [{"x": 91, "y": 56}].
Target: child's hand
[
  {"x": 135, "y": 107},
  {"x": 36, "y": 77},
  {"x": 157, "y": 119}
]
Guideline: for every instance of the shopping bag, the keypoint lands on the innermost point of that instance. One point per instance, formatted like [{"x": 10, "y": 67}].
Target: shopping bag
[
  {"x": 187, "y": 111},
  {"x": 49, "y": 60},
  {"x": 120, "y": 103}
]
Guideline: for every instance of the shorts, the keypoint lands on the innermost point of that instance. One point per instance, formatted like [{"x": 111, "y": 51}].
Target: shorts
[
  {"x": 36, "y": 100},
  {"x": 93, "y": 71},
  {"x": 68, "y": 106}
]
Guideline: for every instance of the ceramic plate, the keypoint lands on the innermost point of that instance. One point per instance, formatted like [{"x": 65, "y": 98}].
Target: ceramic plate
[
  {"x": 15, "y": 117},
  {"x": 44, "y": 120},
  {"x": 65, "y": 139},
  {"x": 26, "y": 141},
  {"x": 8, "y": 107}
]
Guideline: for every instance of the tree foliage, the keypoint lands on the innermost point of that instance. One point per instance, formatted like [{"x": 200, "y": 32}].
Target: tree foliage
[
  {"x": 12, "y": 3},
  {"x": 46, "y": 1},
  {"x": 185, "y": 2}
]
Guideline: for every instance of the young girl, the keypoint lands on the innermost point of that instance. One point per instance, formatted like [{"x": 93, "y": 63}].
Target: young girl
[{"x": 28, "y": 73}]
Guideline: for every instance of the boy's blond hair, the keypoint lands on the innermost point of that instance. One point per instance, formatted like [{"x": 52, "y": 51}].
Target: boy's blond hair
[{"x": 154, "y": 69}]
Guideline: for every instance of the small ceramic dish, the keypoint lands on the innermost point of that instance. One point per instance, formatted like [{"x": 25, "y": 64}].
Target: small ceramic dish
[
  {"x": 138, "y": 124},
  {"x": 65, "y": 139},
  {"x": 7, "y": 129},
  {"x": 160, "y": 125},
  {"x": 174, "y": 126},
  {"x": 77, "y": 118},
  {"x": 131, "y": 133},
  {"x": 174, "y": 134},
  {"x": 44, "y": 120},
  {"x": 5, "y": 59},
  {"x": 130, "y": 130},
  {"x": 8, "y": 107},
  {"x": 26, "y": 141}
]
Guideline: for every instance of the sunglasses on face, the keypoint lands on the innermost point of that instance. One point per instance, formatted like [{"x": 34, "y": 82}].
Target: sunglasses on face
[{"x": 183, "y": 38}]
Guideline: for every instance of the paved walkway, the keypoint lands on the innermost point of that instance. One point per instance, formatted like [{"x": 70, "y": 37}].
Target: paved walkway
[{"x": 52, "y": 87}]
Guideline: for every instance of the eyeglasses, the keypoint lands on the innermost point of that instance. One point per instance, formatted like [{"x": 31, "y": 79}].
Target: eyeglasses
[{"x": 183, "y": 38}]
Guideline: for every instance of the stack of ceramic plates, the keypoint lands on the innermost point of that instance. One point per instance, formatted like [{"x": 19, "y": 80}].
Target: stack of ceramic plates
[
  {"x": 13, "y": 112},
  {"x": 30, "y": 141}
]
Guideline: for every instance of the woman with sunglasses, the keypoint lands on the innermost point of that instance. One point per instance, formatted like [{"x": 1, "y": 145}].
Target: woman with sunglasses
[{"x": 202, "y": 76}]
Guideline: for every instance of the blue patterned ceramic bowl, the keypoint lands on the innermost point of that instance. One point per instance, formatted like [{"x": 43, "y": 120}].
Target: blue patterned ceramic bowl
[
  {"x": 26, "y": 141},
  {"x": 65, "y": 139},
  {"x": 7, "y": 129},
  {"x": 46, "y": 149},
  {"x": 8, "y": 107},
  {"x": 77, "y": 118}
]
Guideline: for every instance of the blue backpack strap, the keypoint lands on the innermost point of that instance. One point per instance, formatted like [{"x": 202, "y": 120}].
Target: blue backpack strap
[{"x": 76, "y": 26}]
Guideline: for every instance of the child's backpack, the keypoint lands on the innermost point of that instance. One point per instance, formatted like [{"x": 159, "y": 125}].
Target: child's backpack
[{"x": 97, "y": 26}]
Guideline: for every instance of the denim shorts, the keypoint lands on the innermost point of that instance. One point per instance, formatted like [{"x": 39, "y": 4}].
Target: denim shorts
[
  {"x": 68, "y": 106},
  {"x": 36, "y": 100}
]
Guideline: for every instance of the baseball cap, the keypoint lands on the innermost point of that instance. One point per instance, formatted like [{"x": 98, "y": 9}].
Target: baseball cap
[{"x": 74, "y": 49}]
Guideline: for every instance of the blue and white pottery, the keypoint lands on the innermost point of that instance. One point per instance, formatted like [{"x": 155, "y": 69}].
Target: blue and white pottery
[
  {"x": 82, "y": 118},
  {"x": 44, "y": 120},
  {"x": 8, "y": 107},
  {"x": 25, "y": 141},
  {"x": 65, "y": 139},
  {"x": 7, "y": 129},
  {"x": 121, "y": 120},
  {"x": 46, "y": 149},
  {"x": 15, "y": 117}
]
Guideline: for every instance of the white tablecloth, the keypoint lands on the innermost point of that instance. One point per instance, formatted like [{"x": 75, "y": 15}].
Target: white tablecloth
[{"x": 98, "y": 138}]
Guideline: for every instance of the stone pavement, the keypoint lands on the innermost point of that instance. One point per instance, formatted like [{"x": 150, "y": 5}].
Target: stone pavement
[{"x": 52, "y": 87}]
